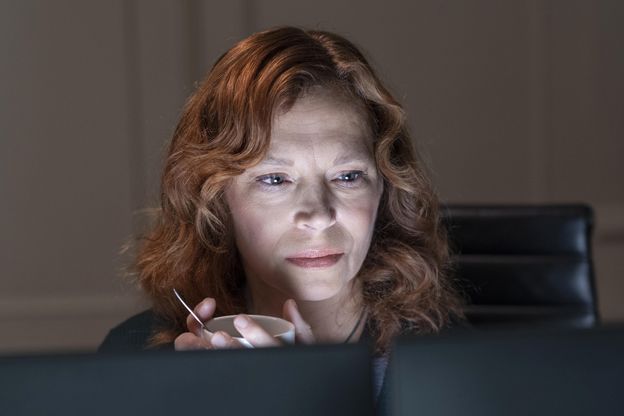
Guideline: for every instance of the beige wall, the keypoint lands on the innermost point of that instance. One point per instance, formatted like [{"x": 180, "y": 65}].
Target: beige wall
[{"x": 511, "y": 102}]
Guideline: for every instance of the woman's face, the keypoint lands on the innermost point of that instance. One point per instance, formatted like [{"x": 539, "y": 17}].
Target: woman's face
[{"x": 304, "y": 217}]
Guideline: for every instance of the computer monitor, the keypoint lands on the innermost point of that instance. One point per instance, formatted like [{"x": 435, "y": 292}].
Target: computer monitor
[
  {"x": 522, "y": 372},
  {"x": 297, "y": 380}
]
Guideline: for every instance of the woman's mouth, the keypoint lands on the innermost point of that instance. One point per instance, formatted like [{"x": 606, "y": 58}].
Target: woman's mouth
[{"x": 315, "y": 259}]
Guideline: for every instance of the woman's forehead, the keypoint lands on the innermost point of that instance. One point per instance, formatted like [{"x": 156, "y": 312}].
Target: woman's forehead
[
  {"x": 332, "y": 155},
  {"x": 323, "y": 102},
  {"x": 335, "y": 146},
  {"x": 322, "y": 117}
]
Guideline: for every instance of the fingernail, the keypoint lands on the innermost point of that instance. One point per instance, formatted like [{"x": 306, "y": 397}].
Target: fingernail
[
  {"x": 218, "y": 340},
  {"x": 292, "y": 301},
  {"x": 241, "y": 321}
]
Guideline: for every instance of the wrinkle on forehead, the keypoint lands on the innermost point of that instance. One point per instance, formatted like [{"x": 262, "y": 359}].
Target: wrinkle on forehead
[
  {"x": 323, "y": 94},
  {"x": 290, "y": 148},
  {"x": 322, "y": 115},
  {"x": 317, "y": 100}
]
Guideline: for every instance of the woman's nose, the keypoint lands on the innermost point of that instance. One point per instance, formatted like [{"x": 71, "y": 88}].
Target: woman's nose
[{"x": 315, "y": 210}]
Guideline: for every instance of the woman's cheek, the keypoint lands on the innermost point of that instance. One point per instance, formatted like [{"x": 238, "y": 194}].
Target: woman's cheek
[{"x": 262, "y": 197}]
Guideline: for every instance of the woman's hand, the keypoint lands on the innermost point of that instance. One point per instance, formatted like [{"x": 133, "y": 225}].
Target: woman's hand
[
  {"x": 303, "y": 331},
  {"x": 197, "y": 338}
]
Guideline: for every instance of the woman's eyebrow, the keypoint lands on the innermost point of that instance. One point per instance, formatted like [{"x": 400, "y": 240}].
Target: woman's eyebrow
[
  {"x": 271, "y": 160},
  {"x": 339, "y": 160},
  {"x": 352, "y": 157}
]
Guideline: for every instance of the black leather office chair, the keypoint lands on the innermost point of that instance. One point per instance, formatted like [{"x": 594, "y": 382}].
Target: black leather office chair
[{"x": 524, "y": 265}]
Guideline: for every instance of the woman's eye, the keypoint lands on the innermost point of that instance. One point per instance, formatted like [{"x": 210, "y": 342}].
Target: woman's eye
[
  {"x": 272, "y": 180},
  {"x": 350, "y": 178}
]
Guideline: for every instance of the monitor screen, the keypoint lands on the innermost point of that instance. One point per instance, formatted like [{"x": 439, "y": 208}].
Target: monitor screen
[
  {"x": 522, "y": 372},
  {"x": 310, "y": 380}
]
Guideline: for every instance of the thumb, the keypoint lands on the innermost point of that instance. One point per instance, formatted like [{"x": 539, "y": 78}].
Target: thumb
[{"x": 303, "y": 331}]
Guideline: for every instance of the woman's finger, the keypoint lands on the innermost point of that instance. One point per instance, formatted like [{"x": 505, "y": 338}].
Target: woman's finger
[
  {"x": 189, "y": 341},
  {"x": 303, "y": 331},
  {"x": 204, "y": 311},
  {"x": 222, "y": 340},
  {"x": 254, "y": 333}
]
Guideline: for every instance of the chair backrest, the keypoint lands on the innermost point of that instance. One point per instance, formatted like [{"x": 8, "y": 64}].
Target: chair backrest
[{"x": 524, "y": 265}]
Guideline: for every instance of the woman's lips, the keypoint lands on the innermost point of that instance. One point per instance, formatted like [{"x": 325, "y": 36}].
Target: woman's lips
[{"x": 318, "y": 261}]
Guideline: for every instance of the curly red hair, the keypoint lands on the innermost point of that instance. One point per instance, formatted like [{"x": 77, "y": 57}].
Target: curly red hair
[{"x": 225, "y": 128}]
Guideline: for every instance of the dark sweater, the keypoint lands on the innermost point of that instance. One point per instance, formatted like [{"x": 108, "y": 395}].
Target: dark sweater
[{"x": 132, "y": 334}]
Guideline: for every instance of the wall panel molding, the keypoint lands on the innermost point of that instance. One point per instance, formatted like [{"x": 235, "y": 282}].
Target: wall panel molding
[
  {"x": 539, "y": 127},
  {"x": 47, "y": 324},
  {"x": 59, "y": 307},
  {"x": 609, "y": 223}
]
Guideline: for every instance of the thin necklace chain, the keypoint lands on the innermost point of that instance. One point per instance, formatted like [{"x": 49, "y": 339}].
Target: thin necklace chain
[{"x": 357, "y": 325}]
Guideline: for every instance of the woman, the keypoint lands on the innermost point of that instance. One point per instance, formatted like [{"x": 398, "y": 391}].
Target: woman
[{"x": 291, "y": 188}]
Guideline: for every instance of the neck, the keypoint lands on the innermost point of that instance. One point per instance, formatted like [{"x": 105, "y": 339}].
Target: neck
[{"x": 332, "y": 320}]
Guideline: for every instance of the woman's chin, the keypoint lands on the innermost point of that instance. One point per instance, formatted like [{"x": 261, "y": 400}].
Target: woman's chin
[{"x": 318, "y": 293}]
